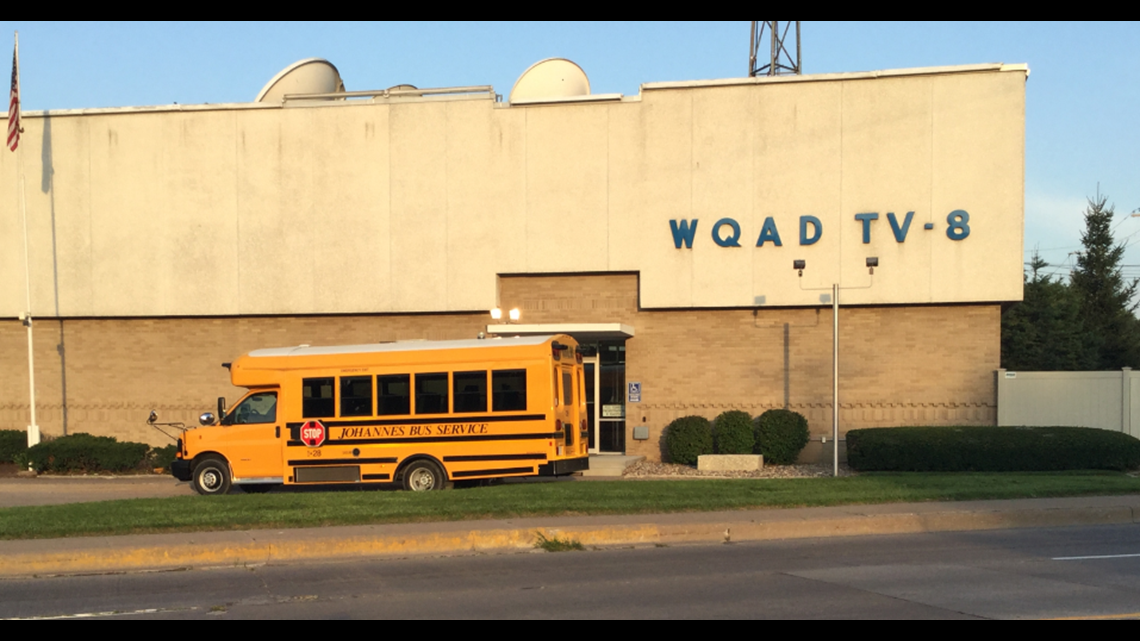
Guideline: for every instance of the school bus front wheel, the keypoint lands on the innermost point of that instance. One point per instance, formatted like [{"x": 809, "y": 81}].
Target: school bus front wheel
[{"x": 212, "y": 476}]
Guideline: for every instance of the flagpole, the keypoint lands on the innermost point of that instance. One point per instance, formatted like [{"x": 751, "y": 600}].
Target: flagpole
[{"x": 33, "y": 427}]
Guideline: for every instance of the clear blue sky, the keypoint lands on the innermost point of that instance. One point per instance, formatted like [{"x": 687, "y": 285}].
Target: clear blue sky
[{"x": 1082, "y": 98}]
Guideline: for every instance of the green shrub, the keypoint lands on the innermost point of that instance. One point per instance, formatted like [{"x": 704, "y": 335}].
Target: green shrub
[
  {"x": 12, "y": 442},
  {"x": 162, "y": 457},
  {"x": 21, "y": 460},
  {"x": 780, "y": 436},
  {"x": 87, "y": 453},
  {"x": 732, "y": 433},
  {"x": 990, "y": 449},
  {"x": 687, "y": 438}
]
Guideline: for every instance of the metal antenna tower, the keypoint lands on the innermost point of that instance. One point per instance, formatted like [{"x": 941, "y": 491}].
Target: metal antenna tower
[{"x": 780, "y": 61}]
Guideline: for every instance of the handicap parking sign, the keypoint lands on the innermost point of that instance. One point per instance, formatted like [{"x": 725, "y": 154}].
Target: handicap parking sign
[{"x": 634, "y": 395}]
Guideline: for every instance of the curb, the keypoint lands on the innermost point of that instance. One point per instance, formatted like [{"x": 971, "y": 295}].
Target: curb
[{"x": 289, "y": 546}]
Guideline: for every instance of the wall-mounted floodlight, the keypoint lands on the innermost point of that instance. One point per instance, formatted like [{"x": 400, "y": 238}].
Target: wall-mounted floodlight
[
  {"x": 496, "y": 313},
  {"x": 514, "y": 314},
  {"x": 872, "y": 263},
  {"x": 799, "y": 265}
]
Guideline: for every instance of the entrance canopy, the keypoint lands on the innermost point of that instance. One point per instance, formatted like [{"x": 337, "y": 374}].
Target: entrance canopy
[{"x": 582, "y": 332}]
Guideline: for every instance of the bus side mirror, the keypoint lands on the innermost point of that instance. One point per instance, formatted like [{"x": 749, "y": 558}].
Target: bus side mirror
[{"x": 206, "y": 419}]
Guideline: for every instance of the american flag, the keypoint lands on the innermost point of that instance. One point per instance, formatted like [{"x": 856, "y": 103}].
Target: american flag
[{"x": 14, "y": 104}]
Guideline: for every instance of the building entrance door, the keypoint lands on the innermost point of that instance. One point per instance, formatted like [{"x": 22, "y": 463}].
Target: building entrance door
[
  {"x": 605, "y": 397},
  {"x": 590, "y": 365}
]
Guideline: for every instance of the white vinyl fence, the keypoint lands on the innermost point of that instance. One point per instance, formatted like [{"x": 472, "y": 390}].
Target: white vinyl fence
[{"x": 1108, "y": 400}]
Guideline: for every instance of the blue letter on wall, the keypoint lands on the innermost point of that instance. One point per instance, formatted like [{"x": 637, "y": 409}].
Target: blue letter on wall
[
  {"x": 866, "y": 220},
  {"x": 731, "y": 241},
  {"x": 900, "y": 232},
  {"x": 769, "y": 232},
  {"x": 959, "y": 226},
  {"x": 816, "y": 226},
  {"x": 683, "y": 233}
]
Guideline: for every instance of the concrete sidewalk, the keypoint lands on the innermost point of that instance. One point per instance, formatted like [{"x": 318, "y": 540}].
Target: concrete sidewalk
[{"x": 211, "y": 549}]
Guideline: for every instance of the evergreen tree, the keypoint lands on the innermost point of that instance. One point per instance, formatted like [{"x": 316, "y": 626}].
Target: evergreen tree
[
  {"x": 1044, "y": 331},
  {"x": 1105, "y": 298}
]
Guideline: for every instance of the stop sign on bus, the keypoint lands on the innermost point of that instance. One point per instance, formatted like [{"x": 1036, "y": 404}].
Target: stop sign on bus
[{"x": 313, "y": 433}]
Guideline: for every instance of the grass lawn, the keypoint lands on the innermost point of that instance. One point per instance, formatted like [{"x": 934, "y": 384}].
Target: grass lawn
[{"x": 314, "y": 509}]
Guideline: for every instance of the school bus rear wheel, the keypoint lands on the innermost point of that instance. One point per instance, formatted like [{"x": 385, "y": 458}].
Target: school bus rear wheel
[
  {"x": 423, "y": 476},
  {"x": 212, "y": 476}
]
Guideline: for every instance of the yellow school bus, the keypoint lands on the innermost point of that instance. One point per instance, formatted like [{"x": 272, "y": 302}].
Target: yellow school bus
[{"x": 423, "y": 414}]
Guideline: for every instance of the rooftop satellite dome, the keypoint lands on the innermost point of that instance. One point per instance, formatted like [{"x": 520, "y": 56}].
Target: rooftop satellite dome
[
  {"x": 410, "y": 91},
  {"x": 549, "y": 79},
  {"x": 311, "y": 75}
]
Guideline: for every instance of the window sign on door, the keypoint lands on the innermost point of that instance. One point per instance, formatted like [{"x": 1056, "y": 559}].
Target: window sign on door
[
  {"x": 634, "y": 395},
  {"x": 613, "y": 411}
]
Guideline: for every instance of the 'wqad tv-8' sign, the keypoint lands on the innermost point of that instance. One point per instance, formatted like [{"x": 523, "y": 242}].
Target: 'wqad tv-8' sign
[{"x": 726, "y": 231}]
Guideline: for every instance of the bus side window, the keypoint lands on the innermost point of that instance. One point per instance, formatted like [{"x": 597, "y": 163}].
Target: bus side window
[
  {"x": 394, "y": 394},
  {"x": 508, "y": 390},
  {"x": 356, "y": 396},
  {"x": 431, "y": 393},
  {"x": 470, "y": 391},
  {"x": 317, "y": 398}
]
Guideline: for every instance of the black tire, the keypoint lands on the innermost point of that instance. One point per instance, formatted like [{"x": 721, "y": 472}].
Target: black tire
[
  {"x": 259, "y": 488},
  {"x": 423, "y": 476},
  {"x": 212, "y": 476}
]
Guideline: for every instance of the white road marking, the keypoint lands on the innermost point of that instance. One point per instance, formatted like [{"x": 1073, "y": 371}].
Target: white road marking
[
  {"x": 92, "y": 615},
  {"x": 1103, "y": 556}
]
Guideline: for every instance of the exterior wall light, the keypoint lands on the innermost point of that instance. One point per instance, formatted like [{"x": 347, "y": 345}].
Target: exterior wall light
[
  {"x": 799, "y": 265},
  {"x": 514, "y": 314},
  {"x": 872, "y": 263},
  {"x": 496, "y": 313}
]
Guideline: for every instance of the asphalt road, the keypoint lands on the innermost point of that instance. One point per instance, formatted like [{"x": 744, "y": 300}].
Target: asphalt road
[{"x": 1004, "y": 574}]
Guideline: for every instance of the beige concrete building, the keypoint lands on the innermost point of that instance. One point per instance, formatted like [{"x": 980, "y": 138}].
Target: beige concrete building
[{"x": 661, "y": 229}]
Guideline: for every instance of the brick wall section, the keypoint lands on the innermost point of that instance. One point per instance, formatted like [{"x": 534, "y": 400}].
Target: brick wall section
[
  {"x": 899, "y": 365},
  {"x": 117, "y": 370}
]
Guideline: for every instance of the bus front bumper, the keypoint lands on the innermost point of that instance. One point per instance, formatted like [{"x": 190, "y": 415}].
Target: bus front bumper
[
  {"x": 563, "y": 467},
  {"x": 180, "y": 469}
]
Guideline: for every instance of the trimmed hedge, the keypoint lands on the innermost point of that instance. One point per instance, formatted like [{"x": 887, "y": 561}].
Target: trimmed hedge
[
  {"x": 780, "y": 436},
  {"x": 990, "y": 449},
  {"x": 87, "y": 453},
  {"x": 687, "y": 438},
  {"x": 12, "y": 442},
  {"x": 732, "y": 433},
  {"x": 163, "y": 457}
]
